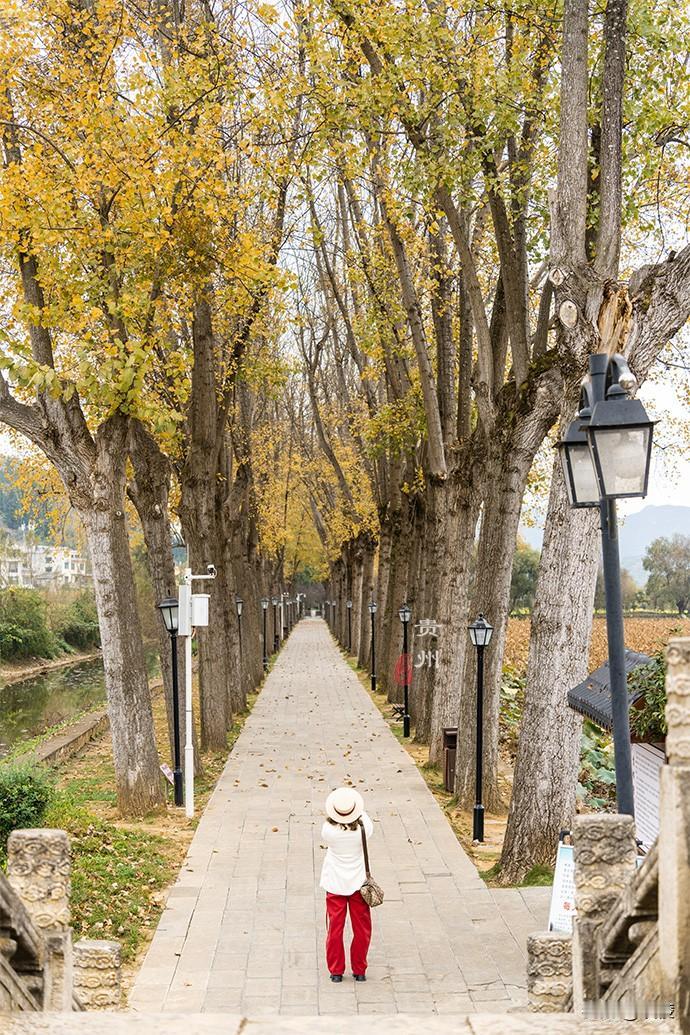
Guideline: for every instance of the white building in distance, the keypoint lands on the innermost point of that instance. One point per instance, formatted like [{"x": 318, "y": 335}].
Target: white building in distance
[{"x": 41, "y": 565}]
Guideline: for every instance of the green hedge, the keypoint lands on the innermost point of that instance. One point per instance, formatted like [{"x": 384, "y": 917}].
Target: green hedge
[
  {"x": 24, "y": 629},
  {"x": 76, "y": 623},
  {"x": 26, "y": 791}
]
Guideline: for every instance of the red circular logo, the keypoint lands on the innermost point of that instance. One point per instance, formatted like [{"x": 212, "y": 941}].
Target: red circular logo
[{"x": 403, "y": 667}]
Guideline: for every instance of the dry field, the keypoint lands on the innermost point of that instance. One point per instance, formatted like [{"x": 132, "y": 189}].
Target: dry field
[{"x": 641, "y": 634}]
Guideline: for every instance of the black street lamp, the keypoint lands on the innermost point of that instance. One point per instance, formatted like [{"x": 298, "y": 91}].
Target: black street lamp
[
  {"x": 372, "y": 612},
  {"x": 349, "y": 626},
  {"x": 480, "y": 634},
  {"x": 283, "y": 599},
  {"x": 404, "y": 614},
  {"x": 617, "y": 434},
  {"x": 169, "y": 609},
  {"x": 276, "y": 637},
  {"x": 264, "y": 608}
]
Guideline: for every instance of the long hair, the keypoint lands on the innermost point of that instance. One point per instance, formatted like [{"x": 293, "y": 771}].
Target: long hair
[{"x": 343, "y": 826}]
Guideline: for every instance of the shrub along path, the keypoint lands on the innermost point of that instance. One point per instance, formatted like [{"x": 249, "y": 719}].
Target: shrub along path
[{"x": 243, "y": 927}]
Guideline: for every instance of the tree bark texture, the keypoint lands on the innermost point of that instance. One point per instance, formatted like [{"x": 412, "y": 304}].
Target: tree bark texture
[
  {"x": 548, "y": 754},
  {"x": 505, "y": 488},
  {"x": 137, "y": 776},
  {"x": 390, "y": 645},
  {"x": 149, "y": 490},
  {"x": 434, "y": 535},
  {"x": 463, "y": 507}
]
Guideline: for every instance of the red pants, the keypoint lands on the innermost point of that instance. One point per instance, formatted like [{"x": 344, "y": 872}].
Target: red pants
[{"x": 360, "y": 918}]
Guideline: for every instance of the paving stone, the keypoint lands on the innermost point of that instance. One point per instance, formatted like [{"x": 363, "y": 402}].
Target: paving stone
[
  {"x": 232, "y": 1024},
  {"x": 246, "y": 914}
]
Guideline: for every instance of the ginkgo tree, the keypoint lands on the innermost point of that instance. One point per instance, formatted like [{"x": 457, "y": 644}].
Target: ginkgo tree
[
  {"x": 140, "y": 225},
  {"x": 79, "y": 288},
  {"x": 446, "y": 134}
]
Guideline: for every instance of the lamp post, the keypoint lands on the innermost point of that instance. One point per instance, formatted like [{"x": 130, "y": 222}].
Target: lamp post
[
  {"x": 404, "y": 614},
  {"x": 276, "y": 637},
  {"x": 606, "y": 455},
  {"x": 372, "y": 612},
  {"x": 284, "y": 614},
  {"x": 349, "y": 626},
  {"x": 264, "y": 608},
  {"x": 169, "y": 609},
  {"x": 333, "y": 626},
  {"x": 239, "y": 604},
  {"x": 480, "y": 634}
]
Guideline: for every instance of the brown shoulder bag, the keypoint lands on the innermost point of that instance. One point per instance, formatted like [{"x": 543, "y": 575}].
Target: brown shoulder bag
[{"x": 370, "y": 890}]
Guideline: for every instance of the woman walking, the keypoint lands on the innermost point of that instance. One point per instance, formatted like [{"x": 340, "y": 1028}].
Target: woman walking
[{"x": 342, "y": 875}]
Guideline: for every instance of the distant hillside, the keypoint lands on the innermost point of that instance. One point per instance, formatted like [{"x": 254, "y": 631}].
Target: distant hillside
[
  {"x": 637, "y": 532},
  {"x": 640, "y": 529}
]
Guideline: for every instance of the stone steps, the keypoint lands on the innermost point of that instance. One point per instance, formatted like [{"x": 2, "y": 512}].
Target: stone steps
[{"x": 396, "y": 1024}]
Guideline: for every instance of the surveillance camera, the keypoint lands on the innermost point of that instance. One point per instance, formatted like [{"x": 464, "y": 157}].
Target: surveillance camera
[{"x": 211, "y": 569}]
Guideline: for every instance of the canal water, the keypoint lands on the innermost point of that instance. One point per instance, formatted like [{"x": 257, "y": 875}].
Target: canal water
[{"x": 30, "y": 707}]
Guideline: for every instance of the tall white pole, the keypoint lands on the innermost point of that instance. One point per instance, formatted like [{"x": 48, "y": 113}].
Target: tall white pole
[
  {"x": 188, "y": 740},
  {"x": 187, "y": 614},
  {"x": 185, "y": 629}
]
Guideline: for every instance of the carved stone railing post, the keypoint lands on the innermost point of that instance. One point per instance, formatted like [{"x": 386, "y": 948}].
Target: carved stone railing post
[
  {"x": 39, "y": 869},
  {"x": 674, "y": 837},
  {"x": 549, "y": 972},
  {"x": 97, "y": 974},
  {"x": 605, "y": 851}
]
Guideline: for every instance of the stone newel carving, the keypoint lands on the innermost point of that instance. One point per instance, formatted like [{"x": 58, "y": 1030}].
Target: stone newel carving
[
  {"x": 605, "y": 852},
  {"x": 39, "y": 869},
  {"x": 678, "y": 702},
  {"x": 97, "y": 974},
  {"x": 674, "y": 837},
  {"x": 549, "y": 972}
]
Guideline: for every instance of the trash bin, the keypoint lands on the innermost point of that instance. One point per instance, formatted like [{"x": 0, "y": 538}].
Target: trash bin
[{"x": 450, "y": 747}]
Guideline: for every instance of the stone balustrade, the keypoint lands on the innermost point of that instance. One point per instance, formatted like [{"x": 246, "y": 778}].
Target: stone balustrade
[
  {"x": 630, "y": 949},
  {"x": 41, "y": 969}
]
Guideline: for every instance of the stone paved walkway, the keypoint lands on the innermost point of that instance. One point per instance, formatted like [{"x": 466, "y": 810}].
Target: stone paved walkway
[{"x": 243, "y": 929}]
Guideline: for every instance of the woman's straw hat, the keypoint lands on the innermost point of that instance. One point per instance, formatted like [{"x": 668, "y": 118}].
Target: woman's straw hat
[{"x": 344, "y": 805}]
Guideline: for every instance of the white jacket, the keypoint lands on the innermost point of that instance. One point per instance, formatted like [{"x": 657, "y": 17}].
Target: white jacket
[{"x": 343, "y": 871}]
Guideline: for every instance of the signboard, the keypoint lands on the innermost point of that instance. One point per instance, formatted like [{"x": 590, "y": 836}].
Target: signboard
[
  {"x": 562, "y": 909},
  {"x": 563, "y": 893},
  {"x": 647, "y": 761},
  {"x": 167, "y": 772}
]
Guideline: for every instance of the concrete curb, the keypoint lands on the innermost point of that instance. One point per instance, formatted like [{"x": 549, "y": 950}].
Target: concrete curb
[{"x": 75, "y": 737}]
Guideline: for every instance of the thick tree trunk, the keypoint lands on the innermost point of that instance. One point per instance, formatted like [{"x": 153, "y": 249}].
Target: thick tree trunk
[
  {"x": 149, "y": 491},
  {"x": 436, "y": 535},
  {"x": 546, "y": 768},
  {"x": 354, "y": 631},
  {"x": 368, "y": 581},
  {"x": 505, "y": 488},
  {"x": 377, "y": 588},
  {"x": 137, "y": 775},
  {"x": 217, "y": 658},
  {"x": 453, "y": 604},
  {"x": 396, "y": 591},
  {"x": 204, "y": 485}
]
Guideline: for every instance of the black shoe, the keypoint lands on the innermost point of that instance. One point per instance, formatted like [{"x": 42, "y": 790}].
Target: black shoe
[
  {"x": 359, "y": 977},
  {"x": 336, "y": 977}
]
